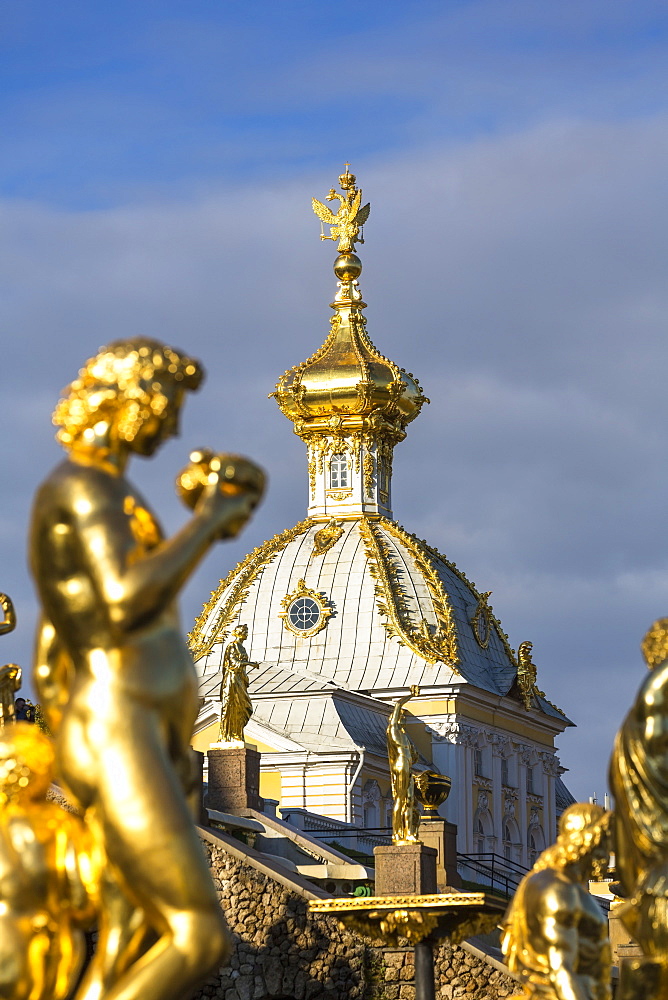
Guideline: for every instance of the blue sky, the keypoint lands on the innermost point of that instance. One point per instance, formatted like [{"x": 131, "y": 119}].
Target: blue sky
[
  {"x": 105, "y": 103},
  {"x": 156, "y": 170}
]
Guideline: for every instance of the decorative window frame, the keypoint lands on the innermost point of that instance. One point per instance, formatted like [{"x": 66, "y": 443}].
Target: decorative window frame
[
  {"x": 339, "y": 471},
  {"x": 304, "y": 591}
]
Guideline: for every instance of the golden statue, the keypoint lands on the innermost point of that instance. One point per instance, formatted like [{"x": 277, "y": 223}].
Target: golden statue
[
  {"x": 527, "y": 674},
  {"x": 349, "y": 219},
  {"x": 8, "y": 623},
  {"x": 10, "y": 674},
  {"x": 639, "y": 784},
  {"x": 48, "y": 872},
  {"x": 114, "y": 674},
  {"x": 554, "y": 934},
  {"x": 10, "y": 682},
  {"x": 236, "y": 708},
  {"x": 402, "y": 755}
]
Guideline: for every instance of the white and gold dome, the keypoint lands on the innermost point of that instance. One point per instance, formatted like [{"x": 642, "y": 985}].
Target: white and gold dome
[{"x": 346, "y": 609}]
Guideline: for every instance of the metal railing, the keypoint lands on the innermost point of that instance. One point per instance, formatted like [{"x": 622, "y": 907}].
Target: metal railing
[
  {"x": 488, "y": 868},
  {"x": 501, "y": 874}
]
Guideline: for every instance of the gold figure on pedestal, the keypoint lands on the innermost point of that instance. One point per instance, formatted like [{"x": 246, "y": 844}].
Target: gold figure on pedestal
[
  {"x": 554, "y": 934},
  {"x": 639, "y": 784},
  {"x": 10, "y": 682},
  {"x": 527, "y": 675},
  {"x": 236, "y": 708},
  {"x": 402, "y": 755},
  {"x": 48, "y": 874},
  {"x": 10, "y": 674},
  {"x": 113, "y": 671}
]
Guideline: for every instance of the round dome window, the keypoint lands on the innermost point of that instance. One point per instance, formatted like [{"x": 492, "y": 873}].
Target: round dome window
[{"x": 305, "y": 611}]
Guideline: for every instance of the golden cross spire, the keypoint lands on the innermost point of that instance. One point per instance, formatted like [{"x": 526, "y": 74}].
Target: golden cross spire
[{"x": 346, "y": 224}]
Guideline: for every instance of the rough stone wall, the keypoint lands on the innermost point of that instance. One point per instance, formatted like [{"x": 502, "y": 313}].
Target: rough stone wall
[
  {"x": 279, "y": 949},
  {"x": 458, "y": 974},
  {"x": 283, "y": 953}
]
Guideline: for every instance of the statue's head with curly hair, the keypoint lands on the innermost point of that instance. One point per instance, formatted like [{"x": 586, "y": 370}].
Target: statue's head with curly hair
[
  {"x": 584, "y": 832},
  {"x": 26, "y": 764},
  {"x": 127, "y": 386}
]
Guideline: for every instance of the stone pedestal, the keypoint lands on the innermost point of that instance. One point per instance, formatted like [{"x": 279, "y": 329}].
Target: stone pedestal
[
  {"x": 234, "y": 779},
  {"x": 622, "y": 945},
  {"x": 442, "y": 835},
  {"x": 405, "y": 870}
]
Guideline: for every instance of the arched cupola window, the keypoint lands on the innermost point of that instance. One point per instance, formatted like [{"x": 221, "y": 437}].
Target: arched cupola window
[{"x": 338, "y": 472}]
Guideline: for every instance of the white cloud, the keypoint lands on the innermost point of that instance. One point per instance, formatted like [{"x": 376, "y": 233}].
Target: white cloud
[{"x": 522, "y": 278}]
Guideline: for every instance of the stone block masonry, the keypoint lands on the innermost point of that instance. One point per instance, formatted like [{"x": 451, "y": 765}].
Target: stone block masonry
[{"x": 283, "y": 953}]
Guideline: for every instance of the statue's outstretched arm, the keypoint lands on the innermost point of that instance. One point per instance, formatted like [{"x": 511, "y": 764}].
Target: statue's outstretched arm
[{"x": 137, "y": 586}]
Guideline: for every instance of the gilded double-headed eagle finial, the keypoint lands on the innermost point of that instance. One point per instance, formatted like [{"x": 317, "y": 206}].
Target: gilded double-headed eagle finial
[{"x": 347, "y": 222}]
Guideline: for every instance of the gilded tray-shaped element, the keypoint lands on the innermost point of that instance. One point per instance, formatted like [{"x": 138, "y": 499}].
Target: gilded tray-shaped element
[{"x": 453, "y": 916}]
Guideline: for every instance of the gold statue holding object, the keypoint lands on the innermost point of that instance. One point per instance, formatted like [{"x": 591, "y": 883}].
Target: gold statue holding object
[
  {"x": 402, "y": 755},
  {"x": 113, "y": 671},
  {"x": 554, "y": 933},
  {"x": 236, "y": 708},
  {"x": 49, "y": 870},
  {"x": 347, "y": 222},
  {"x": 639, "y": 785}
]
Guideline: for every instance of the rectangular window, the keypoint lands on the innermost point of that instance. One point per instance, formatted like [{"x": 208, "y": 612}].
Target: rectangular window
[
  {"x": 338, "y": 472},
  {"x": 505, "y": 780},
  {"x": 530, "y": 787},
  {"x": 477, "y": 763}
]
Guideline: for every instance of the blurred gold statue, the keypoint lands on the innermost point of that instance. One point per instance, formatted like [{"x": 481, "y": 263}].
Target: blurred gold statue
[
  {"x": 402, "y": 755},
  {"x": 236, "y": 708},
  {"x": 114, "y": 674},
  {"x": 48, "y": 872},
  {"x": 639, "y": 784},
  {"x": 10, "y": 682},
  {"x": 8, "y": 623},
  {"x": 10, "y": 674},
  {"x": 554, "y": 934}
]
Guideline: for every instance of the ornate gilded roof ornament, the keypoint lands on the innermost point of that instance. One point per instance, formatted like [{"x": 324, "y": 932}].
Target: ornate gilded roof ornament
[
  {"x": 527, "y": 674},
  {"x": 346, "y": 224},
  {"x": 326, "y": 537},
  {"x": 348, "y": 388}
]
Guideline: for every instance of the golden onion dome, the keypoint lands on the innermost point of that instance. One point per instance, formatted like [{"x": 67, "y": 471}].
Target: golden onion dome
[{"x": 348, "y": 382}]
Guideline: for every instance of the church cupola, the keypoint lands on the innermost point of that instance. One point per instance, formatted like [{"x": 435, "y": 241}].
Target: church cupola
[{"x": 349, "y": 404}]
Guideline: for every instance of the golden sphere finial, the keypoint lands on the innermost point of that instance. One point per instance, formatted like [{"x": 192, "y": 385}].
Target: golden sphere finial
[{"x": 347, "y": 267}]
